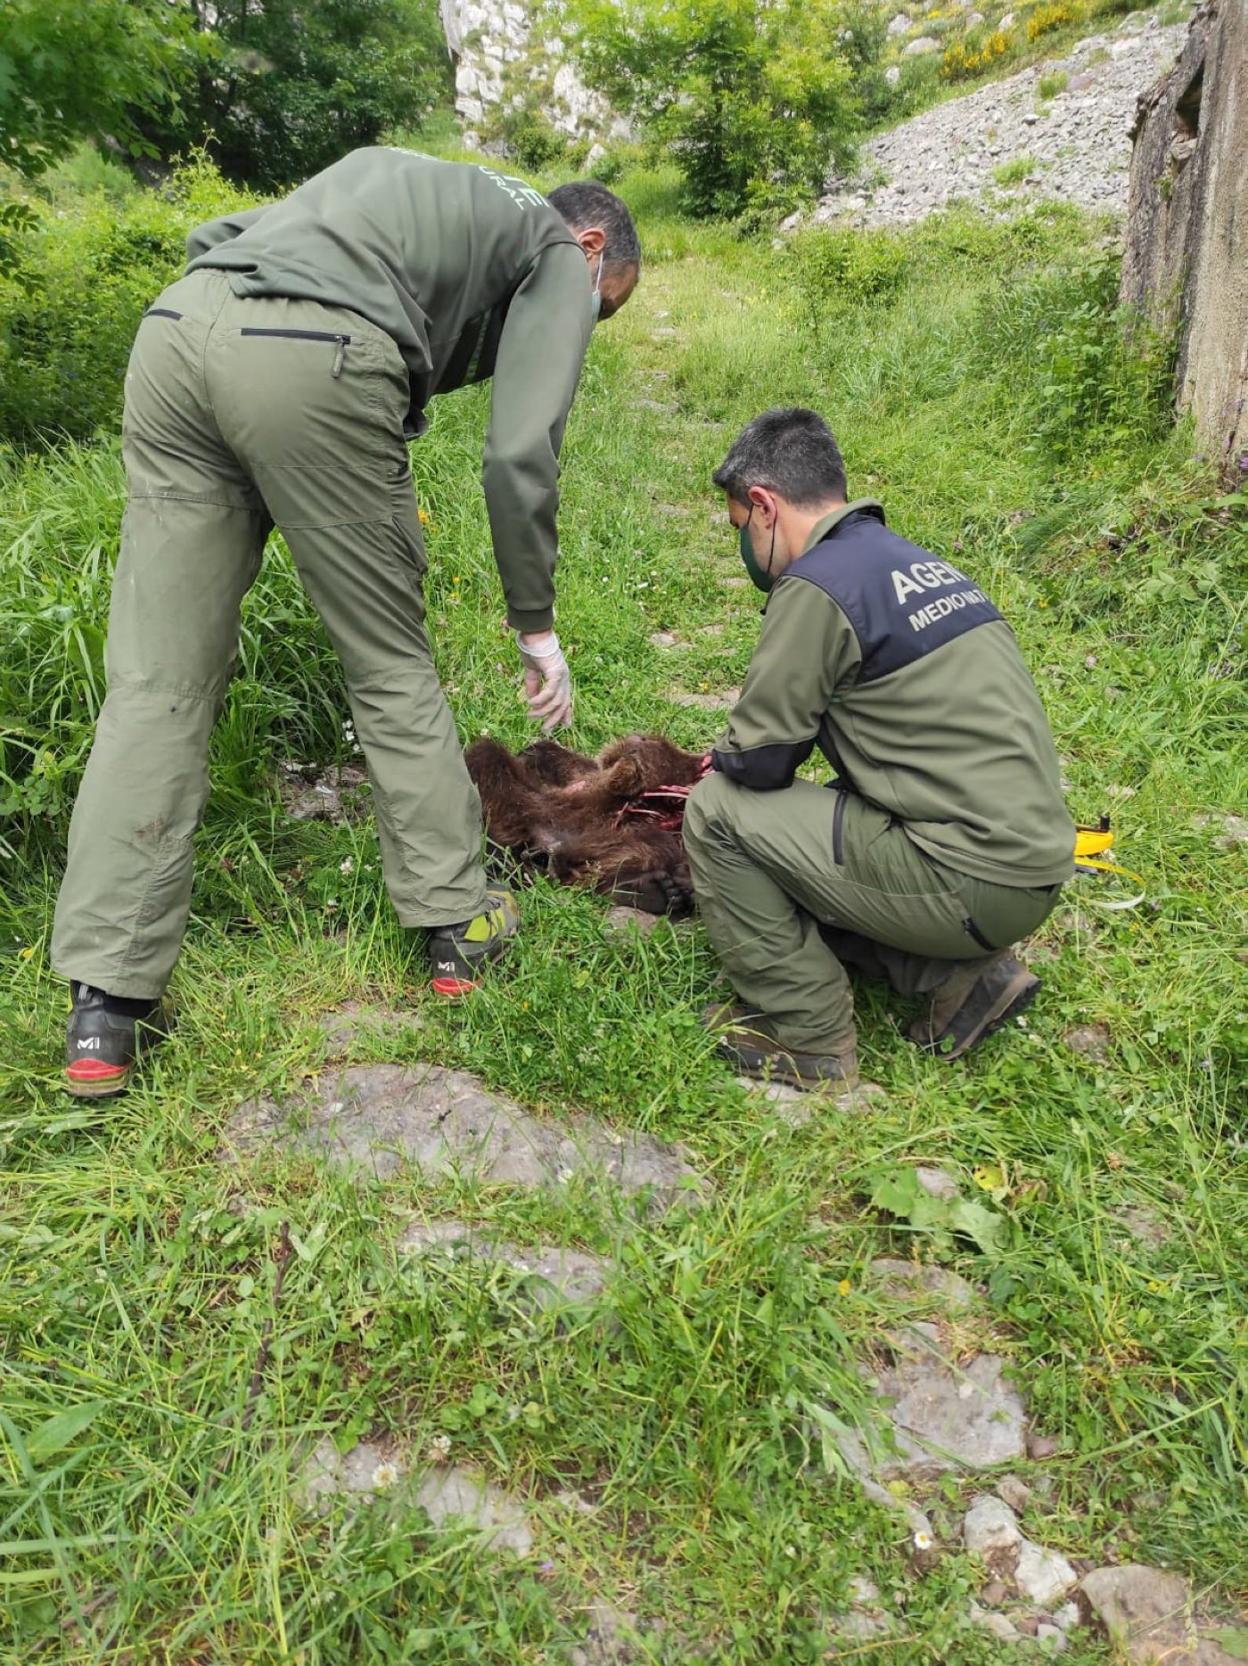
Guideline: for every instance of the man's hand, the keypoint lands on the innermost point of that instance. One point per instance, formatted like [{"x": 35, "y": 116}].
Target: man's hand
[{"x": 547, "y": 680}]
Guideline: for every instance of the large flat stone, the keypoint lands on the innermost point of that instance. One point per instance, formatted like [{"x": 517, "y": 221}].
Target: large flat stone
[
  {"x": 373, "y": 1472},
  {"x": 1151, "y": 1617},
  {"x": 942, "y": 1416},
  {"x": 554, "y": 1277},
  {"x": 376, "y": 1119},
  {"x": 907, "y": 1280}
]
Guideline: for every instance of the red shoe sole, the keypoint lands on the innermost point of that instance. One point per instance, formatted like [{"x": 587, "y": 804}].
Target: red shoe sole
[
  {"x": 93, "y": 1079},
  {"x": 453, "y": 989}
]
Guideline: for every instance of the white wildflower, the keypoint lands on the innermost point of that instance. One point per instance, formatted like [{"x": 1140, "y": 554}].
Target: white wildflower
[{"x": 385, "y": 1475}]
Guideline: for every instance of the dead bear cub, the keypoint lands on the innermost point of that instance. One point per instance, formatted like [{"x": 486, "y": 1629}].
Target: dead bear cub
[{"x": 598, "y": 821}]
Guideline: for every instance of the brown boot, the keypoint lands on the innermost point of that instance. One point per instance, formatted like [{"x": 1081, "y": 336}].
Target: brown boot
[
  {"x": 972, "y": 1002},
  {"x": 754, "y": 1053}
]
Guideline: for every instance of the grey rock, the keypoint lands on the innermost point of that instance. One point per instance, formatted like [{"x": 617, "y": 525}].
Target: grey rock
[
  {"x": 666, "y": 639},
  {"x": 990, "y": 1525},
  {"x": 620, "y": 921},
  {"x": 1014, "y": 1491},
  {"x": 945, "y": 1418},
  {"x": 1067, "y": 1617},
  {"x": 337, "y": 793},
  {"x": 372, "y": 1473},
  {"x": 554, "y": 1277},
  {"x": 921, "y": 47},
  {"x": 1151, "y": 1617},
  {"x": 375, "y": 1119},
  {"x": 904, "y": 1280},
  {"x": 609, "y": 1638},
  {"x": 900, "y": 25},
  {"x": 1090, "y": 1040},
  {"x": 995, "y": 1624},
  {"x": 453, "y": 1496},
  {"x": 354, "y": 1022},
  {"x": 1143, "y": 1224},
  {"x": 892, "y": 75},
  {"x": 936, "y": 1182},
  {"x": 1052, "y": 1638},
  {"x": 710, "y": 702},
  {"x": 1043, "y": 1576}
]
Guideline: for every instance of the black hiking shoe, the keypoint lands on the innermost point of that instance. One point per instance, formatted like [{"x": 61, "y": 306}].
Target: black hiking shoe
[
  {"x": 104, "y": 1038},
  {"x": 754, "y": 1053},
  {"x": 973, "y": 1001},
  {"x": 459, "y": 953}
]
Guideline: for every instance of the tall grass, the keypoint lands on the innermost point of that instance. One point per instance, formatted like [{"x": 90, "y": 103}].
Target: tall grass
[{"x": 976, "y": 378}]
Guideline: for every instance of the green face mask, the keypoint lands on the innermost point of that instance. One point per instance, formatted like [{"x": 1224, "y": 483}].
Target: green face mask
[{"x": 762, "y": 579}]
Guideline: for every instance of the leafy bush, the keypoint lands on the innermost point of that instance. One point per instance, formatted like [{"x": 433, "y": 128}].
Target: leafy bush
[
  {"x": 1050, "y": 85},
  {"x": 1059, "y": 14},
  {"x": 842, "y": 267},
  {"x": 77, "y": 276},
  {"x": 280, "y": 91},
  {"x": 754, "y": 100},
  {"x": 967, "y": 57},
  {"x": 69, "y": 71},
  {"x": 1100, "y": 382}
]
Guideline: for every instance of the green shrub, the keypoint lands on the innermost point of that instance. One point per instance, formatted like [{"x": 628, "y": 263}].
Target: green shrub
[
  {"x": 78, "y": 275},
  {"x": 753, "y": 100},
  {"x": 1050, "y": 85},
  {"x": 841, "y": 267},
  {"x": 281, "y": 90},
  {"x": 1015, "y": 171}
]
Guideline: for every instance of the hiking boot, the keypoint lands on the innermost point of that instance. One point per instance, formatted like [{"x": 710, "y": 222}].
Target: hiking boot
[
  {"x": 104, "y": 1038},
  {"x": 746, "y": 1045},
  {"x": 972, "y": 1002},
  {"x": 459, "y": 953}
]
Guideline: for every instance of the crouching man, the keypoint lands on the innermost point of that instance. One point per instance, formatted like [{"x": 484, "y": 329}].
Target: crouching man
[{"x": 945, "y": 838}]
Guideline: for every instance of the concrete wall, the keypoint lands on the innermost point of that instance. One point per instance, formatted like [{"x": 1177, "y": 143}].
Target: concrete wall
[{"x": 1186, "y": 259}]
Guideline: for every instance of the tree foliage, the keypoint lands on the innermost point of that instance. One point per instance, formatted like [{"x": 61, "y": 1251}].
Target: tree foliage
[
  {"x": 754, "y": 97},
  {"x": 70, "y": 71},
  {"x": 287, "y": 87}
]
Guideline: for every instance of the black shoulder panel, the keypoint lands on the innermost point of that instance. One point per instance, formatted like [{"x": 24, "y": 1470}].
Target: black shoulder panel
[{"x": 901, "y": 601}]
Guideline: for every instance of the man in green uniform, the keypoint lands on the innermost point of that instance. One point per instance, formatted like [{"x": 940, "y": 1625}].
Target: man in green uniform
[
  {"x": 276, "y": 384},
  {"x": 945, "y": 839}
]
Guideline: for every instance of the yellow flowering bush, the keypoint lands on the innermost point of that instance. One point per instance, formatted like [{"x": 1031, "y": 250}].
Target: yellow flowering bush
[
  {"x": 962, "y": 58},
  {"x": 1055, "y": 15}
]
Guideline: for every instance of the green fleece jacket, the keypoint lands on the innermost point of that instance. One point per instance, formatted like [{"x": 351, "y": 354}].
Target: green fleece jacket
[{"x": 474, "y": 275}]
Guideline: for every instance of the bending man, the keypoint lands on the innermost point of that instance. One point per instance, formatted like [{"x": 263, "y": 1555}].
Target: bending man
[
  {"x": 276, "y": 384},
  {"x": 946, "y": 838}
]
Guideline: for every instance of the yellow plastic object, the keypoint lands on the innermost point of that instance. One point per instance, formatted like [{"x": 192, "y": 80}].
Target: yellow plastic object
[{"x": 1091, "y": 843}]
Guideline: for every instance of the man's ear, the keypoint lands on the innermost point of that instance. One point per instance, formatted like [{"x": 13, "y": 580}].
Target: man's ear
[
  {"x": 592, "y": 239},
  {"x": 758, "y": 497}
]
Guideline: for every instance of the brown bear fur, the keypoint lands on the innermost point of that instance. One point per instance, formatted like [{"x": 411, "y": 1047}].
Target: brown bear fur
[{"x": 563, "y": 814}]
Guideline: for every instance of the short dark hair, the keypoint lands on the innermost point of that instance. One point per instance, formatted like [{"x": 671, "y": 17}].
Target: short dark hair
[
  {"x": 792, "y": 452},
  {"x": 585, "y": 203}
]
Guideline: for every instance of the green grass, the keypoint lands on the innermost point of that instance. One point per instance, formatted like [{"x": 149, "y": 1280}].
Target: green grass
[
  {"x": 1014, "y": 172},
  {"x": 978, "y": 385},
  {"x": 1049, "y": 86}
]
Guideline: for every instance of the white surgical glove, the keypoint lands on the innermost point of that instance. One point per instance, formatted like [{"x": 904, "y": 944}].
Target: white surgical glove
[{"x": 547, "y": 680}]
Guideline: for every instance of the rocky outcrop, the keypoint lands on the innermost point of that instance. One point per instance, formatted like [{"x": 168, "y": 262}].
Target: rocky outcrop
[
  {"x": 1186, "y": 261},
  {"x": 498, "y": 60}
]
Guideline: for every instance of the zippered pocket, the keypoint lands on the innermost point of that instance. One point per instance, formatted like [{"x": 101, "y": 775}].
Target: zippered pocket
[
  {"x": 838, "y": 829},
  {"x": 343, "y": 341}
]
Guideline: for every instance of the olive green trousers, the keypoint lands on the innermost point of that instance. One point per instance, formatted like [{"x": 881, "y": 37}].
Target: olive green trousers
[
  {"x": 795, "y": 885},
  {"x": 242, "y": 414}
]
